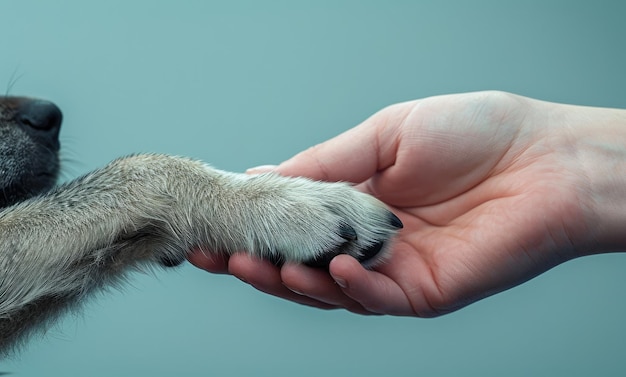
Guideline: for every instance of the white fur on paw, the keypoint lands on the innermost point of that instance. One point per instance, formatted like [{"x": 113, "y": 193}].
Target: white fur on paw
[{"x": 311, "y": 222}]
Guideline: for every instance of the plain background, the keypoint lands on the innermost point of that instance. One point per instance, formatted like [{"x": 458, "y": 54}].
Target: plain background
[{"x": 243, "y": 83}]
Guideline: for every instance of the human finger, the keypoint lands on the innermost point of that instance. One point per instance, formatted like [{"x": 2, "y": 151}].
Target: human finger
[
  {"x": 319, "y": 285},
  {"x": 266, "y": 277},
  {"x": 216, "y": 263},
  {"x": 376, "y": 292}
]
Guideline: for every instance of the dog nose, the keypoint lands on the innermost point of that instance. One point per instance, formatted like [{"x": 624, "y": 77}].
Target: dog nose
[{"x": 42, "y": 117}]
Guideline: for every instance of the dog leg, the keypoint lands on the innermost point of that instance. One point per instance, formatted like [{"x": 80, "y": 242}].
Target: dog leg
[{"x": 58, "y": 248}]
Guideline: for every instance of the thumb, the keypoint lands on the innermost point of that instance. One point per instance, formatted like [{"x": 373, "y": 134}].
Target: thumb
[{"x": 353, "y": 156}]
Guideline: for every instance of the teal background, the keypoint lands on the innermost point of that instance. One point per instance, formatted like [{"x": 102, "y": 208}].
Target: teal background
[{"x": 243, "y": 83}]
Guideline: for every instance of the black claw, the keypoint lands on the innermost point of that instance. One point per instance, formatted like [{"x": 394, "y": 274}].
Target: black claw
[
  {"x": 395, "y": 221},
  {"x": 370, "y": 252},
  {"x": 347, "y": 232}
]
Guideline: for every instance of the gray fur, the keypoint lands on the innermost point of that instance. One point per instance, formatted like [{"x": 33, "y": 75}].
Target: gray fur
[{"x": 59, "y": 247}]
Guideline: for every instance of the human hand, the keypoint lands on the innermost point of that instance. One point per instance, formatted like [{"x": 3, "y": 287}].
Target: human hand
[{"x": 489, "y": 186}]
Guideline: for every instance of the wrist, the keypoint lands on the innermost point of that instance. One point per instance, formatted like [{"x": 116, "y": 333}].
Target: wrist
[{"x": 600, "y": 148}]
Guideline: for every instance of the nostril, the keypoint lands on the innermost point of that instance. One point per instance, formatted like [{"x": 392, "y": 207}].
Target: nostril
[{"x": 40, "y": 115}]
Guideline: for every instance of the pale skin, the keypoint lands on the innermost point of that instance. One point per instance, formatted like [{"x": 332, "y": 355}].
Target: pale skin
[{"x": 493, "y": 189}]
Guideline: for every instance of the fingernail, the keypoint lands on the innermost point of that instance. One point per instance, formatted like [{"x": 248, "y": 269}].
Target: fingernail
[
  {"x": 294, "y": 291},
  {"x": 261, "y": 169},
  {"x": 341, "y": 282}
]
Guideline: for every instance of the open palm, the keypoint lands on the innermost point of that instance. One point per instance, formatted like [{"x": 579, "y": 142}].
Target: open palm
[{"x": 488, "y": 193}]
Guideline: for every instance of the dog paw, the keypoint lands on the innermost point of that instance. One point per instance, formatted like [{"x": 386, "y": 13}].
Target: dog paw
[{"x": 312, "y": 222}]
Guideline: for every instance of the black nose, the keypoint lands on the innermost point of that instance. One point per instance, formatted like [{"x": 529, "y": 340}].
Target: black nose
[
  {"x": 42, "y": 118},
  {"x": 40, "y": 115}
]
